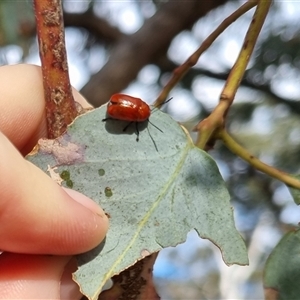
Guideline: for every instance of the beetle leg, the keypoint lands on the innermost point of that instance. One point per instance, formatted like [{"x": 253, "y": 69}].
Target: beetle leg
[
  {"x": 103, "y": 120},
  {"x": 125, "y": 128},
  {"x": 136, "y": 127},
  {"x": 137, "y": 131}
]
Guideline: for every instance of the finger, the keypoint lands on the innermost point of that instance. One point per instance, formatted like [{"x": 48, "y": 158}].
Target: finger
[
  {"x": 38, "y": 216},
  {"x": 22, "y": 105},
  {"x": 25, "y": 276},
  {"x": 69, "y": 289}
]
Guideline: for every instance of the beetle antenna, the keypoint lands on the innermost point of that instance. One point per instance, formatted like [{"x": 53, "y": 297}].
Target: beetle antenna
[
  {"x": 155, "y": 126},
  {"x": 160, "y": 105},
  {"x": 152, "y": 137}
]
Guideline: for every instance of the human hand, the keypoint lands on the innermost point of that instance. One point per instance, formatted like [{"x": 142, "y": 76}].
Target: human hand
[{"x": 41, "y": 224}]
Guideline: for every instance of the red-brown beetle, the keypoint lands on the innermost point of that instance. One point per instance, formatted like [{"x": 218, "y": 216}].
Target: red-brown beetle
[{"x": 127, "y": 108}]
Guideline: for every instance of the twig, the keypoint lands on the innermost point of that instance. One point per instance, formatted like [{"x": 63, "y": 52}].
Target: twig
[
  {"x": 60, "y": 105},
  {"x": 216, "y": 120},
  {"x": 179, "y": 72},
  {"x": 237, "y": 149}
]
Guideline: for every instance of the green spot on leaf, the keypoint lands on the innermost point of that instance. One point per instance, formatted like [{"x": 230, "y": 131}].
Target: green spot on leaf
[
  {"x": 69, "y": 183},
  {"x": 108, "y": 192},
  {"x": 101, "y": 172},
  {"x": 65, "y": 175}
]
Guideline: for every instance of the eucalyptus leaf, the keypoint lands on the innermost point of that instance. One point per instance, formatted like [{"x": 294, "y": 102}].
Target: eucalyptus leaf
[
  {"x": 282, "y": 270},
  {"x": 295, "y": 192},
  {"x": 154, "y": 191}
]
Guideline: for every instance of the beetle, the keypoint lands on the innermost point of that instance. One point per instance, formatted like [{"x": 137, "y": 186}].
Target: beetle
[{"x": 127, "y": 108}]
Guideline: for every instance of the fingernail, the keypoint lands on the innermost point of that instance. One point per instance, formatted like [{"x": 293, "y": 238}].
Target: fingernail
[{"x": 85, "y": 201}]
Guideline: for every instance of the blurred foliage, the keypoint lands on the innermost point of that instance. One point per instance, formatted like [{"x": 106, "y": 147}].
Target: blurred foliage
[
  {"x": 264, "y": 118},
  {"x": 277, "y": 49},
  {"x": 16, "y": 24}
]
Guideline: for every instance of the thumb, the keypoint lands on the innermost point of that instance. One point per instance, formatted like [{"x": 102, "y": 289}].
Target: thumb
[
  {"x": 25, "y": 276},
  {"x": 39, "y": 217}
]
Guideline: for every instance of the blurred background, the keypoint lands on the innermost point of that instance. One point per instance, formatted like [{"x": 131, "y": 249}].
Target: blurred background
[{"x": 133, "y": 47}]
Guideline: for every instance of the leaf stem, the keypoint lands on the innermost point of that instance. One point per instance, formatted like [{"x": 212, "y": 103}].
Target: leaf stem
[
  {"x": 193, "y": 59},
  {"x": 237, "y": 149},
  {"x": 60, "y": 105}
]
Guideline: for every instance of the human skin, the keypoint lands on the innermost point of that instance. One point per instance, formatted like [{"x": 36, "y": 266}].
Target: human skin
[{"x": 42, "y": 225}]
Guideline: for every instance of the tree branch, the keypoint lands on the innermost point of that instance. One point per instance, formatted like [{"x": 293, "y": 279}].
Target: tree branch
[
  {"x": 237, "y": 149},
  {"x": 60, "y": 105},
  {"x": 216, "y": 120},
  {"x": 95, "y": 25}
]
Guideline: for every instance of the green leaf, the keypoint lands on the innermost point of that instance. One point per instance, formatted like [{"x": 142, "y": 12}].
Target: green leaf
[
  {"x": 295, "y": 192},
  {"x": 153, "y": 197},
  {"x": 282, "y": 271}
]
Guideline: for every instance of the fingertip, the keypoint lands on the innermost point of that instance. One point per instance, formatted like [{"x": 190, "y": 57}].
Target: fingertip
[
  {"x": 96, "y": 219},
  {"x": 85, "y": 201}
]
